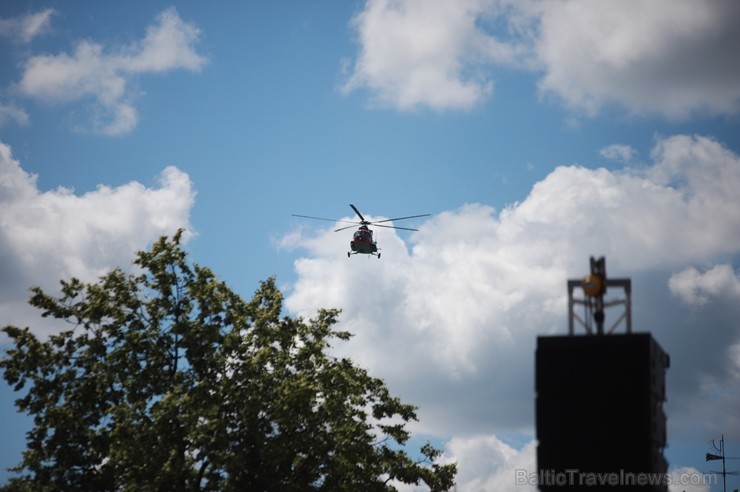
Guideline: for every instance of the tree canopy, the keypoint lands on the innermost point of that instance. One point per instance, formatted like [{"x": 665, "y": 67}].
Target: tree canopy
[{"x": 166, "y": 379}]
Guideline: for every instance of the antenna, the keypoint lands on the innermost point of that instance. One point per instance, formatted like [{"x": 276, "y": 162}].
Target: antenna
[
  {"x": 721, "y": 456},
  {"x": 594, "y": 287}
]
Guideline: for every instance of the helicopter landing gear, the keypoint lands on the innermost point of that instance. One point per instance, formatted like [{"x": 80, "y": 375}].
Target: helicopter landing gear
[{"x": 350, "y": 253}]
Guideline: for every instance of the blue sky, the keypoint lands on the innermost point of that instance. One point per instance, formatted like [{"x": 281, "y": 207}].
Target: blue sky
[{"x": 536, "y": 134}]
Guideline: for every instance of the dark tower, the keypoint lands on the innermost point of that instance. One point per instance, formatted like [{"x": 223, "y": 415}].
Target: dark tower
[{"x": 599, "y": 404}]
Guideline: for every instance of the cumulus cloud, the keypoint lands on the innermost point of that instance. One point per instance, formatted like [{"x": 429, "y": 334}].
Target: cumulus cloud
[
  {"x": 25, "y": 28},
  {"x": 53, "y": 235},
  {"x": 486, "y": 463},
  {"x": 697, "y": 288},
  {"x": 665, "y": 57},
  {"x": 416, "y": 53},
  {"x": 104, "y": 75},
  {"x": 450, "y": 315}
]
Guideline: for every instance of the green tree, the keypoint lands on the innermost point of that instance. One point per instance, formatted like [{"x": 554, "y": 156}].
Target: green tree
[{"x": 168, "y": 380}]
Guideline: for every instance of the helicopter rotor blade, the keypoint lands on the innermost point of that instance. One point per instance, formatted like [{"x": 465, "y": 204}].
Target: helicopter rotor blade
[
  {"x": 323, "y": 218},
  {"x": 363, "y": 221},
  {"x": 400, "y": 218},
  {"x": 394, "y": 227},
  {"x": 358, "y": 213}
]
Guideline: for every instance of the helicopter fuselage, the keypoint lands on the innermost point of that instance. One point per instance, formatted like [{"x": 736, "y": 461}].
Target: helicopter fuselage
[{"x": 362, "y": 242}]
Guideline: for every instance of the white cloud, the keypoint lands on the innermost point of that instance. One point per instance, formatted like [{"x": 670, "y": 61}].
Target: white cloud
[
  {"x": 11, "y": 112},
  {"x": 53, "y": 235},
  {"x": 485, "y": 463},
  {"x": 104, "y": 75},
  {"x": 664, "y": 57},
  {"x": 26, "y": 28},
  {"x": 416, "y": 53},
  {"x": 668, "y": 57},
  {"x": 697, "y": 288},
  {"x": 688, "y": 479},
  {"x": 618, "y": 152}
]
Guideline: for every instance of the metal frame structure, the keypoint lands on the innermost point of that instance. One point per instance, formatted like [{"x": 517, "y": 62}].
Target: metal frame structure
[{"x": 593, "y": 318}]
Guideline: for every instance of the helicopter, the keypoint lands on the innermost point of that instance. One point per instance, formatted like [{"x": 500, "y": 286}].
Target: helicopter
[{"x": 362, "y": 240}]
